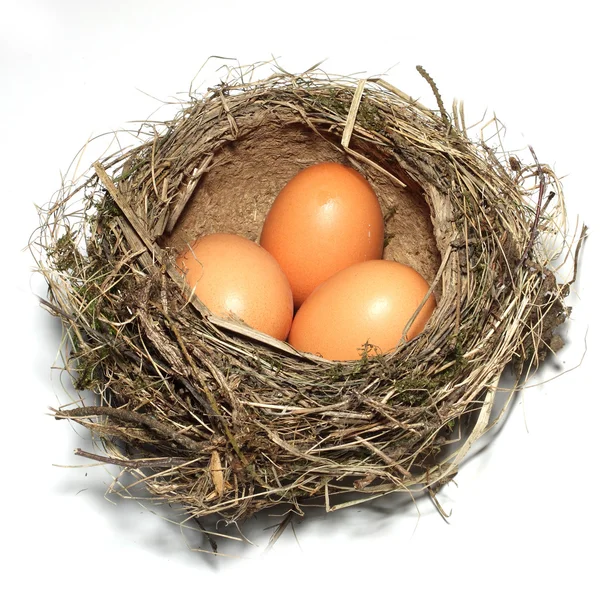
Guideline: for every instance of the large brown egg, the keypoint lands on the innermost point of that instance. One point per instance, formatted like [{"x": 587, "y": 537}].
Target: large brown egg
[
  {"x": 235, "y": 278},
  {"x": 370, "y": 302},
  {"x": 325, "y": 219}
]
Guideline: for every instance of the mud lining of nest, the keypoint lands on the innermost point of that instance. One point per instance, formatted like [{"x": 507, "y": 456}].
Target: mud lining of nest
[{"x": 223, "y": 420}]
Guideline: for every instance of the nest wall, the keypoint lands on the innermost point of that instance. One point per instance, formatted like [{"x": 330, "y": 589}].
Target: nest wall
[{"x": 224, "y": 420}]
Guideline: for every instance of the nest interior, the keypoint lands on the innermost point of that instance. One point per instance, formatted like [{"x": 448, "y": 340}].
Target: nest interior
[
  {"x": 247, "y": 174},
  {"x": 220, "y": 419}
]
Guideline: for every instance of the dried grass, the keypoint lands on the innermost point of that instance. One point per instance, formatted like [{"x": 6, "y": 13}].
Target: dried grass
[{"x": 223, "y": 420}]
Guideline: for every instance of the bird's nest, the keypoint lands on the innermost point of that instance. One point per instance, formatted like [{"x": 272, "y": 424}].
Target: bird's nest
[{"x": 223, "y": 420}]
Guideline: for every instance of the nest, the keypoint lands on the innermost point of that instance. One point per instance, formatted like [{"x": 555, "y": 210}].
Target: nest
[{"x": 222, "y": 420}]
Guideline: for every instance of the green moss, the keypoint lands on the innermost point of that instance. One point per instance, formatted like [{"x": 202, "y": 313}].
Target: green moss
[
  {"x": 107, "y": 208},
  {"x": 413, "y": 391},
  {"x": 369, "y": 117},
  {"x": 416, "y": 389},
  {"x": 64, "y": 254},
  {"x": 86, "y": 375},
  {"x": 334, "y": 102}
]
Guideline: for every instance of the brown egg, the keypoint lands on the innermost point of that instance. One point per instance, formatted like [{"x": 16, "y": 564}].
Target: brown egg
[
  {"x": 368, "y": 302},
  {"x": 236, "y": 278},
  {"x": 325, "y": 219}
]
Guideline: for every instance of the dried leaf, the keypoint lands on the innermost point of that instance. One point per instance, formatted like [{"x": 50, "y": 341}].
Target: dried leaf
[{"x": 216, "y": 473}]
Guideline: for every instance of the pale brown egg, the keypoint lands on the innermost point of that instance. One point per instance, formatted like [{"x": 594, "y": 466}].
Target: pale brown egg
[
  {"x": 235, "y": 278},
  {"x": 325, "y": 219},
  {"x": 369, "y": 302}
]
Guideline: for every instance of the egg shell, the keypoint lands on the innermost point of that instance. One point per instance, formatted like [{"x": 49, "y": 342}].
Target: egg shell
[
  {"x": 325, "y": 219},
  {"x": 235, "y": 278},
  {"x": 368, "y": 302}
]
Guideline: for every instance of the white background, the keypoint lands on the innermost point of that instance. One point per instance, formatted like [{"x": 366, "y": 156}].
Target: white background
[{"x": 524, "y": 512}]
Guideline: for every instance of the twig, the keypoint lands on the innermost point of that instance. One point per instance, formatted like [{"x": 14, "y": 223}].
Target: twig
[
  {"x": 436, "y": 92},
  {"x": 133, "y": 464},
  {"x": 538, "y": 210},
  {"x": 127, "y": 416},
  {"x": 582, "y": 238}
]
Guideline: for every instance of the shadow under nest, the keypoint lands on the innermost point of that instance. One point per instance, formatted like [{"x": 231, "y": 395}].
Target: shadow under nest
[{"x": 227, "y": 421}]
